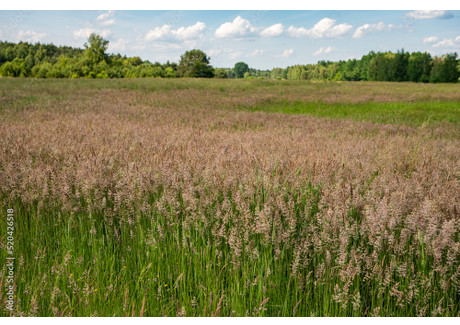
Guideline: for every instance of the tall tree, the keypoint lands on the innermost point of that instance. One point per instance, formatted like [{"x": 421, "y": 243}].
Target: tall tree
[
  {"x": 195, "y": 64},
  {"x": 95, "y": 49},
  {"x": 445, "y": 69},
  {"x": 449, "y": 69},
  {"x": 240, "y": 69},
  {"x": 419, "y": 66},
  {"x": 399, "y": 66},
  {"x": 380, "y": 67}
]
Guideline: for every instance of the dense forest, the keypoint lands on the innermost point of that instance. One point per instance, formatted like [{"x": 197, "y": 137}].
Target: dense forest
[{"x": 50, "y": 61}]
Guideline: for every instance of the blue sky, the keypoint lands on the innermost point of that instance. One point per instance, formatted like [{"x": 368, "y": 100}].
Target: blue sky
[{"x": 264, "y": 39}]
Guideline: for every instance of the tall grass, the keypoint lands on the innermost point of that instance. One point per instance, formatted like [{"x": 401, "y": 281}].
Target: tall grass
[
  {"x": 161, "y": 262},
  {"x": 139, "y": 203}
]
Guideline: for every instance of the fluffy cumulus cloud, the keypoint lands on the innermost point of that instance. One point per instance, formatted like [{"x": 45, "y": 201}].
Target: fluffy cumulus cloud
[
  {"x": 105, "y": 16},
  {"x": 445, "y": 43},
  {"x": 372, "y": 28},
  {"x": 429, "y": 14},
  {"x": 272, "y": 31},
  {"x": 85, "y": 32},
  {"x": 106, "y": 19},
  {"x": 430, "y": 39},
  {"x": 325, "y": 28},
  {"x": 158, "y": 33},
  {"x": 30, "y": 36},
  {"x": 190, "y": 32},
  {"x": 287, "y": 53},
  {"x": 182, "y": 33},
  {"x": 323, "y": 50},
  {"x": 239, "y": 27}
]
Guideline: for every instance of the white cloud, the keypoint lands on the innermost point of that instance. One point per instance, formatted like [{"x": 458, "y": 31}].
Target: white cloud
[
  {"x": 429, "y": 14},
  {"x": 372, "y": 28},
  {"x": 447, "y": 42},
  {"x": 106, "y": 15},
  {"x": 30, "y": 36},
  {"x": 287, "y": 53},
  {"x": 85, "y": 32},
  {"x": 323, "y": 50},
  {"x": 158, "y": 33},
  {"x": 109, "y": 22},
  {"x": 182, "y": 33},
  {"x": 297, "y": 32},
  {"x": 326, "y": 27},
  {"x": 430, "y": 39},
  {"x": 274, "y": 30},
  {"x": 257, "y": 52},
  {"x": 190, "y": 32},
  {"x": 239, "y": 27},
  {"x": 103, "y": 19}
]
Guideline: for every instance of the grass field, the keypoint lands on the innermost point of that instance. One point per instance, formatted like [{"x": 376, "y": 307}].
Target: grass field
[{"x": 192, "y": 197}]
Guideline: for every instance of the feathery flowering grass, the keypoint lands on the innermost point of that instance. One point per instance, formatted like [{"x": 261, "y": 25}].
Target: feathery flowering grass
[{"x": 185, "y": 198}]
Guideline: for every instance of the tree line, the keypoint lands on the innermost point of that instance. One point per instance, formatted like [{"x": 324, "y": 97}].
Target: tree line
[
  {"x": 388, "y": 66},
  {"x": 49, "y": 61}
]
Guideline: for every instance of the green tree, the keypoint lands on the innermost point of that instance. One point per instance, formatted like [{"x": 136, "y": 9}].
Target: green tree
[
  {"x": 134, "y": 61},
  {"x": 458, "y": 70},
  {"x": 294, "y": 72},
  {"x": 380, "y": 67},
  {"x": 95, "y": 49},
  {"x": 445, "y": 69},
  {"x": 195, "y": 64},
  {"x": 240, "y": 69},
  {"x": 41, "y": 70},
  {"x": 277, "y": 73},
  {"x": 449, "y": 70},
  {"x": 170, "y": 73},
  {"x": 14, "y": 68},
  {"x": 220, "y": 73},
  {"x": 29, "y": 64},
  {"x": 399, "y": 65},
  {"x": 304, "y": 75},
  {"x": 419, "y": 65}
]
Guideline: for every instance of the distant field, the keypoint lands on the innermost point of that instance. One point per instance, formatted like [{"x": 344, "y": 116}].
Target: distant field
[
  {"x": 380, "y": 102},
  {"x": 188, "y": 197}
]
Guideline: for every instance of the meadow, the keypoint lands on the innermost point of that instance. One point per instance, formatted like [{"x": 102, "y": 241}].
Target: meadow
[{"x": 191, "y": 197}]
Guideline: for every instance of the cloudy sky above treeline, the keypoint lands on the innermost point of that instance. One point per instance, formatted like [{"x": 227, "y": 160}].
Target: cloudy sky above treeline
[{"x": 263, "y": 38}]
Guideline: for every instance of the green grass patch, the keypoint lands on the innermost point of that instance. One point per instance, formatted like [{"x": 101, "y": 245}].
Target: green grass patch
[{"x": 416, "y": 114}]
